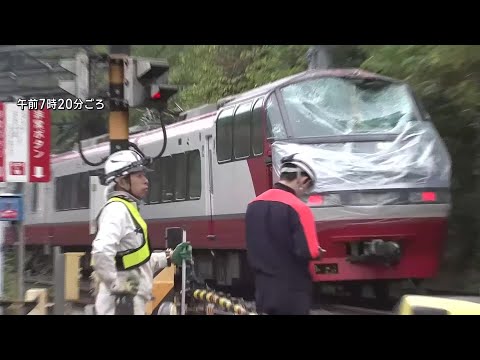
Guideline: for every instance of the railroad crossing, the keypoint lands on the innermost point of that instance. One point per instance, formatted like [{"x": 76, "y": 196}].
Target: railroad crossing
[{"x": 68, "y": 295}]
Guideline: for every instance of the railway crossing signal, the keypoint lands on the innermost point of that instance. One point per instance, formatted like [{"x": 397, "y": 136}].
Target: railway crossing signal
[
  {"x": 146, "y": 83},
  {"x": 133, "y": 82},
  {"x": 145, "y": 80}
]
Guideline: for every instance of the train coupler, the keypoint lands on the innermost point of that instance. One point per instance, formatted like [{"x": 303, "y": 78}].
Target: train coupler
[{"x": 377, "y": 252}]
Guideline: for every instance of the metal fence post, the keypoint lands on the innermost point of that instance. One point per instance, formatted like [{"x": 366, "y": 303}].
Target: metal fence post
[{"x": 21, "y": 259}]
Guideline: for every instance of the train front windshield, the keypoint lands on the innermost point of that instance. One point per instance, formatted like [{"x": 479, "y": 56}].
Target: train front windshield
[
  {"x": 341, "y": 106},
  {"x": 359, "y": 134}
]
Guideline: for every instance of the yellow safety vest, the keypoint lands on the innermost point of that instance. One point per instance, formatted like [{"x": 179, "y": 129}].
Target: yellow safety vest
[{"x": 129, "y": 259}]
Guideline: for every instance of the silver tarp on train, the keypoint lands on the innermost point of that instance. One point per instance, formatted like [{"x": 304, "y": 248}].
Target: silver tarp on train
[{"x": 415, "y": 158}]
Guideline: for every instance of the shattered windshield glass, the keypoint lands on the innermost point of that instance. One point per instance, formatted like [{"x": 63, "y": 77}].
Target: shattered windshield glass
[{"x": 341, "y": 106}]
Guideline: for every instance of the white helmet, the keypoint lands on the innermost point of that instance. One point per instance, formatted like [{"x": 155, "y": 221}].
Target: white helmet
[
  {"x": 295, "y": 162},
  {"x": 124, "y": 162}
]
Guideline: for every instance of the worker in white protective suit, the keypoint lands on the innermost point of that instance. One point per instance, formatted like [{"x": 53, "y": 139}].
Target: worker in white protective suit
[{"x": 123, "y": 262}]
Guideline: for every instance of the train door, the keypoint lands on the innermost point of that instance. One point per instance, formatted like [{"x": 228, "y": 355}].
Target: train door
[
  {"x": 97, "y": 199},
  {"x": 209, "y": 184},
  {"x": 260, "y": 157}
]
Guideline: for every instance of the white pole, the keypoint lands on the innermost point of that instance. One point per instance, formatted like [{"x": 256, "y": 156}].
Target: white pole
[
  {"x": 2, "y": 261},
  {"x": 2, "y": 240}
]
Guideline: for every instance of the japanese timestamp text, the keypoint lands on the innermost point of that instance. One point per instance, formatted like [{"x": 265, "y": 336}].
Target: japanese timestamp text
[{"x": 61, "y": 104}]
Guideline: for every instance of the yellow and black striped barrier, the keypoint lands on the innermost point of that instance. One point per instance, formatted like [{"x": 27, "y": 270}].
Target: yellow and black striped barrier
[{"x": 223, "y": 302}]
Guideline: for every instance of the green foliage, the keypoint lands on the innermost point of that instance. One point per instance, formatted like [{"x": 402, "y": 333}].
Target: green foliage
[
  {"x": 200, "y": 77},
  {"x": 207, "y": 73},
  {"x": 66, "y": 125},
  {"x": 169, "y": 52},
  {"x": 273, "y": 62},
  {"x": 446, "y": 79}
]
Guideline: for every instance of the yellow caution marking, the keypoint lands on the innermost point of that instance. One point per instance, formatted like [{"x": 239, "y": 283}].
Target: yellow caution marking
[{"x": 213, "y": 299}]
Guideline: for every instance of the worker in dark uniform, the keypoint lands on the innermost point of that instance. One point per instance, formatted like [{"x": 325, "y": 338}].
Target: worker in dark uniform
[{"x": 282, "y": 240}]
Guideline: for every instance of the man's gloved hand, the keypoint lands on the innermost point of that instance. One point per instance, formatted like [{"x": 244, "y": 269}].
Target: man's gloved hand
[
  {"x": 183, "y": 251},
  {"x": 125, "y": 287}
]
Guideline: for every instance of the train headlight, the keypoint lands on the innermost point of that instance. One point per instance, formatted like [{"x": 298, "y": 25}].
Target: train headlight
[
  {"x": 320, "y": 200},
  {"x": 426, "y": 197}
]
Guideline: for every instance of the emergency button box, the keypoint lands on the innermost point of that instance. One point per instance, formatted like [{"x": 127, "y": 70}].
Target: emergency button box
[{"x": 11, "y": 207}]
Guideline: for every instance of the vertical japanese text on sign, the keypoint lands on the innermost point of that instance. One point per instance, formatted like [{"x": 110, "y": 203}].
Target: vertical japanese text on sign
[
  {"x": 24, "y": 144},
  {"x": 39, "y": 168}
]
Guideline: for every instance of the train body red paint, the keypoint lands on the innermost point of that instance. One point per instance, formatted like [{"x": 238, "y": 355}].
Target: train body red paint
[{"x": 220, "y": 158}]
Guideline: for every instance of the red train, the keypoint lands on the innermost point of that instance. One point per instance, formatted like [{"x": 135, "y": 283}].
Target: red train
[{"x": 381, "y": 203}]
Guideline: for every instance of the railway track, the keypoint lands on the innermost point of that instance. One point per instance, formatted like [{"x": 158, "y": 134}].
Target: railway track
[
  {"x": 338, "y": 309},
  {"x": 328, "y": 304}
]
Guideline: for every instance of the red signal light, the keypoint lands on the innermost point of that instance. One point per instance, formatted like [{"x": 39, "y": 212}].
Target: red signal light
[{"x": 157, "y": 95}]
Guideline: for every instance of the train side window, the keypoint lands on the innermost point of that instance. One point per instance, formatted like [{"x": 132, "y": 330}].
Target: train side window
[
  {"x": 180, "y": 176},
  {"x": 72, "y": 192},
  {"x": 67, "y": 193},
  {"x": 225, "y": 135},
  {"x": 257, "y": 128},
  {"x": 34, "y": 197},
  {"x": 168, "y": 178},
  {"x": 63, "y": 192},
  {"x": 83, "y": 198},
  {"x": 241, "y": 131},
  {"x": 194, "y": 175},
  {"x": 58, "y": 193},
  {"x": 275, "y": 127},
  {"x": 155, "y": 180},
  {"x": 73, "y": 181}
]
